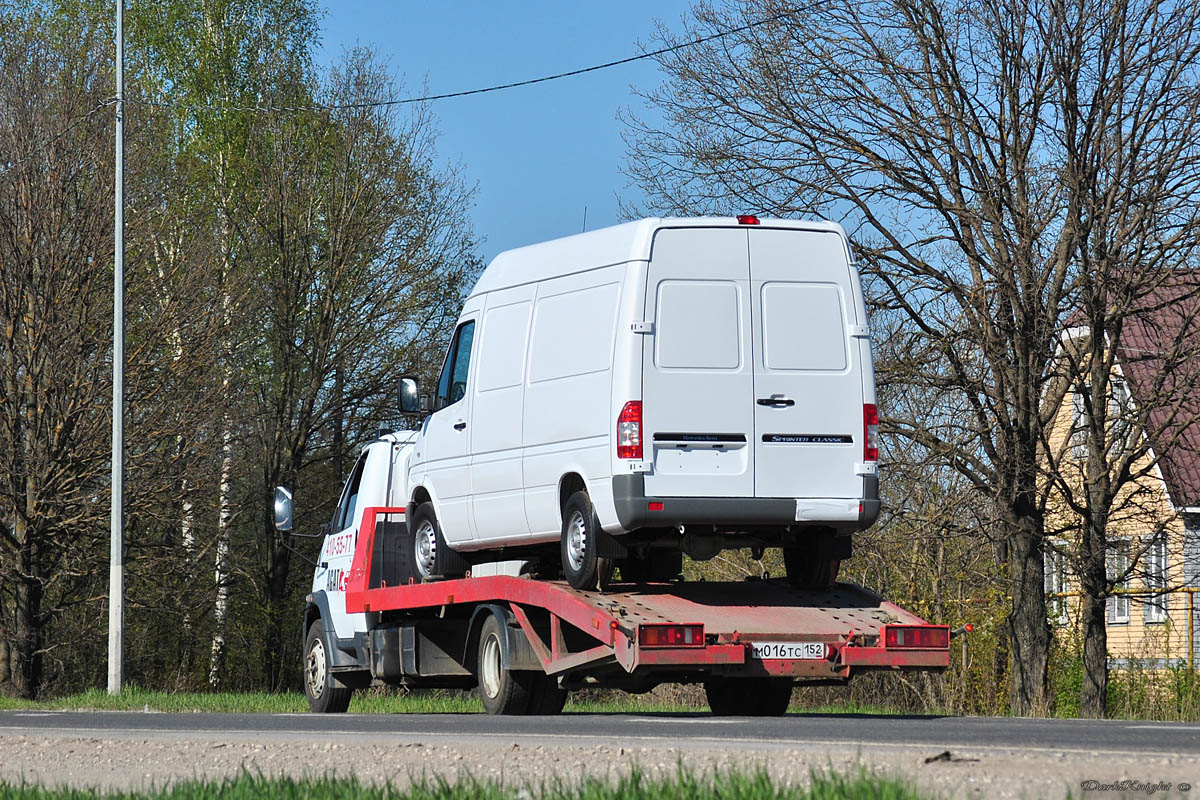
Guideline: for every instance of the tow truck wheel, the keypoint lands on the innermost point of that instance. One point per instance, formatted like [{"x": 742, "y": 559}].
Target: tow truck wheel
[
  {"x": 582, "y": 567},
  {"x": 748, "y": 697},
  {"x": 502, "y": 691},
  {"x": 323, "y": 696},
  {"x": 548, "y": 698}
]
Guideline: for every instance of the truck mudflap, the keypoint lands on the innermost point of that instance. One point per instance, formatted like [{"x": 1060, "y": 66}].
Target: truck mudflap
[{"x": 746, "y": 628}]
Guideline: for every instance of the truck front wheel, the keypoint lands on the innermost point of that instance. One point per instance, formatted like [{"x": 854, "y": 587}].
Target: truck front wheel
[{"x": 323, "y": 696}]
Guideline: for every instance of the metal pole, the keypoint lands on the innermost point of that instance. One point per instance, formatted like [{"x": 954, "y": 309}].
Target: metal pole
[
  {"x": 116, "y": 566},
  {"x": 1191, "y": 629}
]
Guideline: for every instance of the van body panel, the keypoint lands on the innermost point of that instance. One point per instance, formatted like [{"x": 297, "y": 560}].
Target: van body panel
[
  {"x": 809, "y": 443},
  {"x": 582, "y": 252},
  {"x": 567, "y": 389},
  {"x": 498, "y": 399}
]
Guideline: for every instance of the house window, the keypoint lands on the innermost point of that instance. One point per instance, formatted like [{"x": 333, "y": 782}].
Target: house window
[
  {"x": 1079, "y": 422},
  {"x": 1056, "y": 582},
  {"x": 1117, "y": 562},
  {"x": 1191, "y": 564},
  {"x": 1156, "y": 579},
  {"x": 1119, "y": 404},
  {"x": 1116, "y": 419},
  {"x": 1118, "y": 398},
  {"x": 1191, "y": 551}
]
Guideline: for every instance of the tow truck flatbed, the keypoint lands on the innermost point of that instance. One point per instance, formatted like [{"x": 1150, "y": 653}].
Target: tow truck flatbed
[{"x": 635, "y": 635}]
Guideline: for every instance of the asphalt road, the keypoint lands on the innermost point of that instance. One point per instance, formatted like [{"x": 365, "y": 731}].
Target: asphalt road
[{"x": 699, "y": 730}]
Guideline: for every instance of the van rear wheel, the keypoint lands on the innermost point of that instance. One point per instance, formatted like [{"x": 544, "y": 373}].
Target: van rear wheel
[
  {"x": 582, "y": 566},
  {"x": 807, "y": 570}
]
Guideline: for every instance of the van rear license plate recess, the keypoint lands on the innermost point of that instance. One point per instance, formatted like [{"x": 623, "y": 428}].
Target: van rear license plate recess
[{"x": 791, "y": 651}]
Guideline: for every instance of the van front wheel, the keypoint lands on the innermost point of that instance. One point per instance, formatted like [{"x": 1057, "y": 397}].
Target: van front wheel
[
  {"x": 583, "y": 568},
  {"x": 429, "y": 554}
]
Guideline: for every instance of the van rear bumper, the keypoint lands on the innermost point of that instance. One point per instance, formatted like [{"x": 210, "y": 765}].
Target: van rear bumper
[{"x": 632, "y": 504}]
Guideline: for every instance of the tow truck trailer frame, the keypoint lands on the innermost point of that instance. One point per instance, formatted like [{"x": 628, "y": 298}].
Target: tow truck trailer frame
[{"x": 632, "y": 637}]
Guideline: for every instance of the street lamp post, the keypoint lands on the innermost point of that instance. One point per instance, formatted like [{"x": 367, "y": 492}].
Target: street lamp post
[{"x": 116, "y": 565}]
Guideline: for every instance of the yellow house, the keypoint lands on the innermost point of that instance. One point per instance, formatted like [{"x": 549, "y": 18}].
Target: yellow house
[{"x": 1153, "y": 537}]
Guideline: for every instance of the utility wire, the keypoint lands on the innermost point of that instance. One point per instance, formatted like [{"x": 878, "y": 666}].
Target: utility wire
[
  {"x": 466, "y": 93},
  {"x": 38, "y": 148}
]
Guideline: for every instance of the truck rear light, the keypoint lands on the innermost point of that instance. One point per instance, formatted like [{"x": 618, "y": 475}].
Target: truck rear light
[
  {"x": 671, "y": 635},
  {"x": 870, "y": 432},
  {"x": 629, "y": 430},
  {"x": 747, "y": 219},
  {"x": 916, "y": 637}
]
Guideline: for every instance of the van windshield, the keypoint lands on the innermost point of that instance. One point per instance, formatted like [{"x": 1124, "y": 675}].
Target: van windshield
[{"x": 452, "y": 385}]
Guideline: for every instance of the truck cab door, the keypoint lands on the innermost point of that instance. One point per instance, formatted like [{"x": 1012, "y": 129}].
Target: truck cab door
[
  {"x": 337, "y": 552},
  {"x": 442, "y": 453}
]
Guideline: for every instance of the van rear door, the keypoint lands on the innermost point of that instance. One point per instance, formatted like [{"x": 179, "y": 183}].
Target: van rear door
[
  {"x": 749, "y": 385},
  {"x": 808, "y": 392},
  {"x": 697, "y": 373}
]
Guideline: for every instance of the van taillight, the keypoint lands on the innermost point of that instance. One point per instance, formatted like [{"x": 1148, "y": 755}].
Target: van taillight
[
  {"x": 747, "y": 219},
  {"x": 870, "y": 432},
  {"x": 629, "y": 430}
]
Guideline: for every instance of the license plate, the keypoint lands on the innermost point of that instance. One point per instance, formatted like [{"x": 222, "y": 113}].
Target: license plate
[{"x": 787, "y": 650}]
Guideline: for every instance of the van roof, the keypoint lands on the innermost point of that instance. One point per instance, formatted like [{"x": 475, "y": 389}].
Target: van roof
[{"x": 602, "y": 247}]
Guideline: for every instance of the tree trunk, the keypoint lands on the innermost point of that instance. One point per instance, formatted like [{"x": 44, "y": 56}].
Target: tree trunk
[
  {"x": 1093, "y": 694},
  {"x": 216, "y": 664},
  {"x": 187, "y": 536},
  {"x": 1028, "y": 627},
  {"x": 27, "y": 653}
]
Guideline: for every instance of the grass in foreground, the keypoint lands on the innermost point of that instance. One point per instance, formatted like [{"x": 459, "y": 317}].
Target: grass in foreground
[
  {"x": 133, "y": 698},
  {"x": 859, "y": 785}
]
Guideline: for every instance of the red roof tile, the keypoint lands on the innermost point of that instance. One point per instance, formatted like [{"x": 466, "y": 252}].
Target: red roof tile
[{"x": 1159, "y": 353}]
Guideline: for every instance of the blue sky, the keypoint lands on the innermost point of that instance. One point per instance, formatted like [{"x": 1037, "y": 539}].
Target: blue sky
[{"x": 537, "y": 154}]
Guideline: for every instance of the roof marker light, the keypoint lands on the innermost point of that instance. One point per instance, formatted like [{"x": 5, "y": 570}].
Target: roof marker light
[{"x": 747, "y": 219}]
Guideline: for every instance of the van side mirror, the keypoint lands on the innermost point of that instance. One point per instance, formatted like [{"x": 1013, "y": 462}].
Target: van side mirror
[
  {"x": 283, "y": 509},
  {"x": 410, "y": 399}
]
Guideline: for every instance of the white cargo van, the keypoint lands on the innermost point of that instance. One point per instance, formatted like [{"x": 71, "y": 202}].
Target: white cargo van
[{"x": 662, "y": 386}]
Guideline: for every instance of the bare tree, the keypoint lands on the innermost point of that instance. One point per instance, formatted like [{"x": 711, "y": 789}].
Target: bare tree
[
  {"x": 365, "y": 253},
  {"x": 55, "y": 245},
  {"x": 1128, "y": 111},
  {"x": 938, "y": 131}
]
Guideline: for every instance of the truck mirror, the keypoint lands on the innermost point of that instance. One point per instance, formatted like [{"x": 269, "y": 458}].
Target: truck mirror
[
  {"x": 409, "y": 398},
  {"x": 283, "y": 509}
]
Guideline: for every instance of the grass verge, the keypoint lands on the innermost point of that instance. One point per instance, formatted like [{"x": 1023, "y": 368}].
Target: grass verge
[
  {"x": 133, "y": 698},
  {"x": 856, "y": 785}
]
